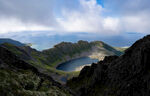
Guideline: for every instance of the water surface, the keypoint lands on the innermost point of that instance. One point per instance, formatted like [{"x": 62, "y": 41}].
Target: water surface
[{"x": 76, "y": 63}]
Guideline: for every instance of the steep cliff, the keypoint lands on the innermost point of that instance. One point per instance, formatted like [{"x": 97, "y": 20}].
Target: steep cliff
[{"x": 127, "y": 75}]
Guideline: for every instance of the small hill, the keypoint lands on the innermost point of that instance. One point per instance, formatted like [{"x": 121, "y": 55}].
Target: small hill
[
  {"x": 127, "y": 75},
  {"x": 14, "y": 42}
]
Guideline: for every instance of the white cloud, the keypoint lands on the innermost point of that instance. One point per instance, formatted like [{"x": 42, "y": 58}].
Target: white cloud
[
  {"x": 112, "y": 24},
  {"x": 137, "y": 23},
  {"x": 10, "y": 25},
  {"x": 89, "y": 19},
  {"x": 29, "y": 11}
]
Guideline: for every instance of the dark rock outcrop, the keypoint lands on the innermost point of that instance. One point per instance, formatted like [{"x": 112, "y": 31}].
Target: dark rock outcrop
[{"x": 127, "y": 75}]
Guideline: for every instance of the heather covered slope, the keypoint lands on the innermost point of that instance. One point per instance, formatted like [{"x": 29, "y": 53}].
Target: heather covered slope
[
  {"x": 18, "y": 78},
  {"x": 127, "y": 75}
]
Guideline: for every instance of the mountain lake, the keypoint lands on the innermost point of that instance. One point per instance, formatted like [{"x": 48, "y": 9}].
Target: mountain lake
[{"x": 76, "y": 64}]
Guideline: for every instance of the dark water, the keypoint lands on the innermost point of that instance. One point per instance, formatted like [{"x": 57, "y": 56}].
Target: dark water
[{"x": 73, "y": 64}]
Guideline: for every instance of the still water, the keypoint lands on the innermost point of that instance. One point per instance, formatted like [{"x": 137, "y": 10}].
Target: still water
[{"x": 76, "y": 63}]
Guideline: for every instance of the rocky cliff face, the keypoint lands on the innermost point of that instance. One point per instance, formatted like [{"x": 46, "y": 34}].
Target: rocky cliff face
[
  {"x": 127, "y": 75},
  {"x": 18, "y": 78}
]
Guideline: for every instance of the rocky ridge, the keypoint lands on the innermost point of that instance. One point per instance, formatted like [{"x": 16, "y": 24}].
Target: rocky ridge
[{"x": 127, "y": 75}]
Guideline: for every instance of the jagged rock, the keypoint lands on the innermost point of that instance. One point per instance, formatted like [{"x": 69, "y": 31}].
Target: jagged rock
[{"x": 127, "y": 75}]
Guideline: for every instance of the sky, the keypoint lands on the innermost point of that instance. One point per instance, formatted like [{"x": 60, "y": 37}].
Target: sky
[{"x": 45, "y": 23}]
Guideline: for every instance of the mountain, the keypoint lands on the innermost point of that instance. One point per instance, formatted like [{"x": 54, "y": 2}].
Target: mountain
[
  {"x": 47, "y": 60},
  {"x": 127, "y": 75},
  {"x": 62, "y": 52},
  {"x": 14, "y": 42},
  {"x": 66, "y": 51},
  {"x": 19, "y": 78}
]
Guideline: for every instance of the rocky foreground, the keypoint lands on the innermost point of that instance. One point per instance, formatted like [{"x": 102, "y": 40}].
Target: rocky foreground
[{"x": 127, "y": 75}]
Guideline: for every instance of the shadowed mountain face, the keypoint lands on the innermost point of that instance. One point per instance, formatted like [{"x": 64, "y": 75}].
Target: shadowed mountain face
[
  {"x": 16, "y": 43},
  {"x": 127, "y": 75}
]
